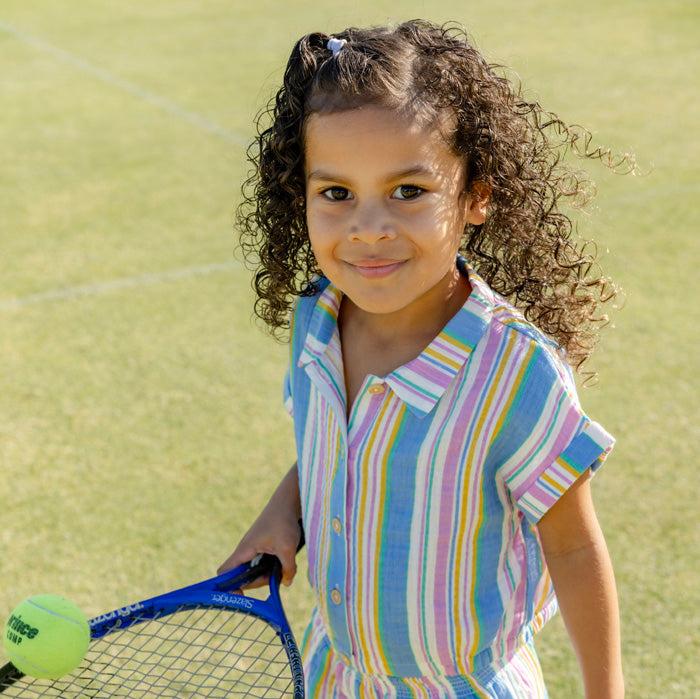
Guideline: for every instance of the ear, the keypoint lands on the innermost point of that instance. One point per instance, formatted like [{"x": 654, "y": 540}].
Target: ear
[{"x": 477, "y": 203}]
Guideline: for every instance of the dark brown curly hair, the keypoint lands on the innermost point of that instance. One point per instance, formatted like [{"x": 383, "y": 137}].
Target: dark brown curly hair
[{"x": 421, "y": 69}]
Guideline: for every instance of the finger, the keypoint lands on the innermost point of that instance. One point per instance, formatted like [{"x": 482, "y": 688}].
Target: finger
[
  {"x": 256, "y": 582},
  {"x": 238, "y": 557},
  {"x": 289, "y": 566},
  {"x": 262, "y": 581},
  {"x": 228, "y": 564}
]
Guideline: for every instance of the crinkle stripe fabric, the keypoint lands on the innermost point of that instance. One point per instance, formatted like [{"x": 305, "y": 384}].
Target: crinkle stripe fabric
[{"x": 421, "y": 509}]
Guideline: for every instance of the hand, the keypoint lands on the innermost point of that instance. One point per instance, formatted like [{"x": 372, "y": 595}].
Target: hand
[{"x": 275, "y": 531}]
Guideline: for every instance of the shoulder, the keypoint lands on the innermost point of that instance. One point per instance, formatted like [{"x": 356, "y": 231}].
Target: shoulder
[
  {"x": 304, "y": 303},
  {"x": 311, "y": 292},
  {"x": 544, "y": 359},
  {"x": 523, "y": 337},
  {"x": 302, "y": 311}
]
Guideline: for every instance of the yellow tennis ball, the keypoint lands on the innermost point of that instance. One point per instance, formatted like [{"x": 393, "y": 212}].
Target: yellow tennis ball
[{"x": 46, "y": 636}]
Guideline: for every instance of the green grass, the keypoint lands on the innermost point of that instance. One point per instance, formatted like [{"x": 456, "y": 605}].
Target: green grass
[{"x": 131, "y": 420}]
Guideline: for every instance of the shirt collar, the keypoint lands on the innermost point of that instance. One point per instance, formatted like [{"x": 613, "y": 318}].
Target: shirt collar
[{"x": 421, "y": 382}]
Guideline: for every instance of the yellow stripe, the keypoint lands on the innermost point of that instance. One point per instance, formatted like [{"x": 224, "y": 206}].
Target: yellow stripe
[
  {"x": 557, "y": 486},
  {"x": 328, "y": 309},
  {"x": 325, "y": 675},
  {"x": 414, "y": 685},
  {"x": 364, "y": 469},
  {"x": 457, "y": 594},
  {"x": 566, "y": 465},
  {"x": 335, "y": 294},
  {"x": 455, "y": 342},
  {"x": 322, "y": 582},
  {"x": 387, "y": 451},
  {"x": 292, "y": 321},
  {"x": 540, "y": 601},
  {"x": 443, "y": 358},
  {"x": 519, "y": 378}
]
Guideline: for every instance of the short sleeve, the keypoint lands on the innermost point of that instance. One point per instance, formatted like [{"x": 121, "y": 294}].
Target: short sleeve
[
  {"x": 558, "y": 441},
  {"x": 287, "y": 394}
]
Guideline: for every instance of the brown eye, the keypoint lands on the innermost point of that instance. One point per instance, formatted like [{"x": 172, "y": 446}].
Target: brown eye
[
  {"x": 411, "y": 186},
  {"x": 333, "y": 189}
]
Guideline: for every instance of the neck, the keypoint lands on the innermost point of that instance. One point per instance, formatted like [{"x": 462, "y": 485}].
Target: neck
[{"x": 421, "y": 320}]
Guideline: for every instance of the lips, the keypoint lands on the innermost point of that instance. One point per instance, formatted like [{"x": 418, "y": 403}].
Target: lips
[
  {"x": 377, "y": 268},
  {"x": 375, "y": 262}
]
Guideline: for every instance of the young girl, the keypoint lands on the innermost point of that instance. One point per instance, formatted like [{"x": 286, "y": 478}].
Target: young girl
[{"x": 403, "y": 193}]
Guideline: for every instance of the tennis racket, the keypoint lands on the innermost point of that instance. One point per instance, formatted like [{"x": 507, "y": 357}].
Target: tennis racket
[{"x": 204, "y": 640}]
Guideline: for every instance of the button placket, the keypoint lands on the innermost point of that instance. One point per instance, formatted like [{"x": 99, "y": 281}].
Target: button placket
[
  {"x": 376, "y": 387},
  {"x": 338, "y": 552}
]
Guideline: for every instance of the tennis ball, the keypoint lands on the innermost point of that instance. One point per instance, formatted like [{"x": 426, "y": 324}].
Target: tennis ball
[{"x": 46, "y": 636}]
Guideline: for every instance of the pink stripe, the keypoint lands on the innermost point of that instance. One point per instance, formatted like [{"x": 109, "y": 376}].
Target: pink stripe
[
  {"x": 448, "y": 508},
  {"x": 521, "y": 590},
  {"x": 421, "y": 395},
  {"x": 365, "y": 569},
  {"x": 373, "y": 536},
  {"x": 428, "y": 373},
  {"x": 451, "y": 350},
  {"x": 359, "y": 435},
  {"x": 420, "y": 612},
  {"x": 540, "y": 495},
  {"x": 505, "y": 391},
  {"x": 564, "y": 437},
  {"x": 472, "y": 402}
]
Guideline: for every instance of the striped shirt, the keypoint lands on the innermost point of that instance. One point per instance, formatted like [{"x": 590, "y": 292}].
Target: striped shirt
[{"x": 420, "y": 510}]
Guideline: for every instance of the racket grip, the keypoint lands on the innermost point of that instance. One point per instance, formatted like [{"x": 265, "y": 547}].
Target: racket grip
[{"x": 302, "y": 540}]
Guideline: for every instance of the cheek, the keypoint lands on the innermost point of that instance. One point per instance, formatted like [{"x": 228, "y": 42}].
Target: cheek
[
  {"x": 321, "y": 217},
  {"x": 322, "y": 243},
  {"x": 323, "y": 230}
]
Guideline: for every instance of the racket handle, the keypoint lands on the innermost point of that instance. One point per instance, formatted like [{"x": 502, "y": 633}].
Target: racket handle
[{"x": 302, "y": 540}]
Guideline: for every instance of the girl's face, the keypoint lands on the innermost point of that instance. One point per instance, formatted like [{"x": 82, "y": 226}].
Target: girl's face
[{"x": 367, "y": 203}]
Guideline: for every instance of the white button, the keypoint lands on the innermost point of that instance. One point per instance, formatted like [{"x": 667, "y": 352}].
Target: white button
[
  {"x": 377, "y": 388},
  {"x": 337, "y": 526},
  {"x": 335, "y": 596}
]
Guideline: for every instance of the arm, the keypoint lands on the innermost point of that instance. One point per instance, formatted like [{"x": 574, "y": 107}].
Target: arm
[
  {"x": 276, "y": 530},
  {"x": 581, "y": 571},
  {"x": 287, "y": 494}
]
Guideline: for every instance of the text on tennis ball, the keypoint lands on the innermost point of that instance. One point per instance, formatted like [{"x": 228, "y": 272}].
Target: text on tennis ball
[{"x": 16, "y": 628}]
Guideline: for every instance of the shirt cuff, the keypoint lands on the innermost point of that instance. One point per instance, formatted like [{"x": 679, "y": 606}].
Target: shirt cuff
[{"x": 588, "y": 449}]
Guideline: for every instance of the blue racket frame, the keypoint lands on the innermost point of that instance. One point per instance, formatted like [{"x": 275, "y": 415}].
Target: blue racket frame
[{"x": 213, "y": 593}]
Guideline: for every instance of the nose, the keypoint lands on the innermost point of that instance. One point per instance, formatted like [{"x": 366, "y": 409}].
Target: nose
[{"x": 371, "y": 225}]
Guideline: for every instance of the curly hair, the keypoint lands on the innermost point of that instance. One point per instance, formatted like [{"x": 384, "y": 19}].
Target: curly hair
[{"x": 523, "y": 249}]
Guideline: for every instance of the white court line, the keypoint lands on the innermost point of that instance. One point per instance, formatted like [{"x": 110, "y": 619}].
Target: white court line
[
  {"x": 73, "y": 292},
  {"x": 105, "y": 76},
  {"x": 162, "y": 103}
]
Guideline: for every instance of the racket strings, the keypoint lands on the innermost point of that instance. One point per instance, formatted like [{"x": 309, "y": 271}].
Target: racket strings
[{"x": 193, "y": 652}]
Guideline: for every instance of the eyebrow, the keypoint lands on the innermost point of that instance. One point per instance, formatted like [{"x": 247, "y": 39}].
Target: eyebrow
[{"x": 413, "y": 170}]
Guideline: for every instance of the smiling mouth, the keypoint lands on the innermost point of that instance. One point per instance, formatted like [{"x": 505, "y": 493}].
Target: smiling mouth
[
  {"x": 369, "y": 264},
  {"x": 377, "y": 268}
]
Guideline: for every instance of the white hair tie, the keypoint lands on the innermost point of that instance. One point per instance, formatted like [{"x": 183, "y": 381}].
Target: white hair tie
[{"x": 336, "y": 44}]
